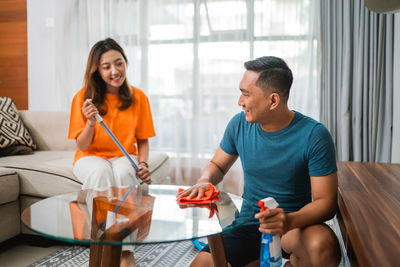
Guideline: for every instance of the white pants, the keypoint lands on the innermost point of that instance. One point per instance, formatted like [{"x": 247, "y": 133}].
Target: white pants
[{"x": 98, "y": 173}]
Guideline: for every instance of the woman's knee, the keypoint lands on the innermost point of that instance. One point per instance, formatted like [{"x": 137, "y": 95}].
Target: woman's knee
[
  {"x": 124, "y": 175},
  {"x": 101, "y": 177}
]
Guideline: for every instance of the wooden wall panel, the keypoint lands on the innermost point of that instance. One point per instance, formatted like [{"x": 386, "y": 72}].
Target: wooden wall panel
[{"x": 13, "y": 51}]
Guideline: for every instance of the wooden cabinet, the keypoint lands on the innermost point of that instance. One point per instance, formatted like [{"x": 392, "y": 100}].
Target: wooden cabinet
[
  {"x": 13, "y": 51},
  {"x": 369, "y": 205}
]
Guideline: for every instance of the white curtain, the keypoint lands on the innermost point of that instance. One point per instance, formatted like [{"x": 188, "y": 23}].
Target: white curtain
[{"x": 188, "y": 56}]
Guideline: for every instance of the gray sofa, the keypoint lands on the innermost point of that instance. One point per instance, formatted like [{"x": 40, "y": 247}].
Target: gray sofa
[{"x": 25, "y": 179}]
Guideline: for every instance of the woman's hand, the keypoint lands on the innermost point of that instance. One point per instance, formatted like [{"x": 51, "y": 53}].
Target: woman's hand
[
  {"x": 273, "y": 221},
  {"x": 144, "y": 173},
  {"x": 89, "y": 110},
  {"x": 196, "y": 190}
]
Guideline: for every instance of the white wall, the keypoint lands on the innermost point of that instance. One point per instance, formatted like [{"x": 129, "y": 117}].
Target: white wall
[
  {"x": 396, "y": 93},
  {"x": 41, "y": 51},
  {"x": 51, "y": 86}
]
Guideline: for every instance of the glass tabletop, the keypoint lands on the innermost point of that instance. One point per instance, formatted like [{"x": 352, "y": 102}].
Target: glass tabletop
[{"x": 131, "y": 215}]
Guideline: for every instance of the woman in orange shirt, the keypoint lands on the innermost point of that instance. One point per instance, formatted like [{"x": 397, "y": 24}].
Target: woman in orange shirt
[{"x": 98, "y": 162}]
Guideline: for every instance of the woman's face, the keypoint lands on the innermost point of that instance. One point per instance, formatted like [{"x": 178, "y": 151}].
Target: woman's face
[{"x": 112, "y": 69}]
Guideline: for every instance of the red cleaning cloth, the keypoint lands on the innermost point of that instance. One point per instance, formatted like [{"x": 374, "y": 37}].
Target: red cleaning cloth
[{"x": 209, "y": 196}]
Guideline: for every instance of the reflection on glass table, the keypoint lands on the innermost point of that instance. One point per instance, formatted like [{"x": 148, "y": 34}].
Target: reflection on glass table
[{"x": 108, "y": 219}]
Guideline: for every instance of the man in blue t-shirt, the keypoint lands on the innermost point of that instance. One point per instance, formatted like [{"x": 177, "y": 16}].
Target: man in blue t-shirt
[{"x": 285, "y": 155}]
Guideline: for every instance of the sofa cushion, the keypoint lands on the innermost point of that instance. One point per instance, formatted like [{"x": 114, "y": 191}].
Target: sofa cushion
[
  {"x": 10, "y": 220},
  {"x": 12, "y": 130},
  {"x": 49, "y": 173},
  {"x": 9, "y": 185},
  {"x": 44, "y": 173}
]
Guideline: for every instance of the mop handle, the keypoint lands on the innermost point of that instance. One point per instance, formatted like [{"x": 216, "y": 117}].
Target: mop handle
[{"x": 100, "y": 120}]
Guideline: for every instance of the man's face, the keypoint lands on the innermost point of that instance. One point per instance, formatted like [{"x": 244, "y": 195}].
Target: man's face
[{"x": 252, "y": 100}]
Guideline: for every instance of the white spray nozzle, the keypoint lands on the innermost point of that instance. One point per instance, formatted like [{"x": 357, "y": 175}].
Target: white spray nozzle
[{"x": 269, "y": 203}]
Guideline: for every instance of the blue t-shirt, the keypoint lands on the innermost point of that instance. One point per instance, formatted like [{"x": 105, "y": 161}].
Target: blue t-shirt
[{"x": 279, "y": 164}]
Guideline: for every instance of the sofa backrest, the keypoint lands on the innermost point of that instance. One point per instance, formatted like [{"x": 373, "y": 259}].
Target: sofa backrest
[{"x": 49, "y": 129}]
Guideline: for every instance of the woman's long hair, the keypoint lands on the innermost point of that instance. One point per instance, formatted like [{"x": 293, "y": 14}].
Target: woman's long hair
[{"x": 95, "y": 86}]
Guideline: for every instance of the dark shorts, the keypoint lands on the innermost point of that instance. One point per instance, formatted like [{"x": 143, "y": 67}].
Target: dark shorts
[{"x": 242, "y": 245}]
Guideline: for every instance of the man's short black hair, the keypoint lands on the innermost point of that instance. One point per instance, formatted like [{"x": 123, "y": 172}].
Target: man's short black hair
[{"x": 274, "y": 74}]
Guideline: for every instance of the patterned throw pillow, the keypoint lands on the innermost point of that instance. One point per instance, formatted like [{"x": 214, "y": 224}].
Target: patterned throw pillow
[{"x": 14, "y": 137}]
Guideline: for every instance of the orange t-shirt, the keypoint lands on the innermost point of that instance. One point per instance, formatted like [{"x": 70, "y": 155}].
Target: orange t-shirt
[{"x": 127, "y": 125}]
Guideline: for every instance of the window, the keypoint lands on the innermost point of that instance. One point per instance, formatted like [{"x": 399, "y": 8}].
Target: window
[{"x": 191, "y": 62}]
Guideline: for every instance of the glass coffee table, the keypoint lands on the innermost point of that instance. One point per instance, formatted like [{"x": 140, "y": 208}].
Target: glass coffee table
[{"x": 141, "y": 214}]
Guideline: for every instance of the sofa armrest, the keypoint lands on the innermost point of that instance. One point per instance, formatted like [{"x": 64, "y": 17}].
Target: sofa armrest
[{"x": 159, "y": 167}]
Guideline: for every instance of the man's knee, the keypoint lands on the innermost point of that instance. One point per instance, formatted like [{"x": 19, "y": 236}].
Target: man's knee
[
  {"x": 202, "y": 259},
  {"x": 322, "y": 247},
  {"x": 315, "y": 245},
  {"x": 291, "y": 240}
]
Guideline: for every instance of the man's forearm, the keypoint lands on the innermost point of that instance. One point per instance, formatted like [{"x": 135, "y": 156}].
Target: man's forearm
[
  {"x": 315, "y": 212},
  {"x": 217, "y": 167},
  {"x": 212, "y": 173}
]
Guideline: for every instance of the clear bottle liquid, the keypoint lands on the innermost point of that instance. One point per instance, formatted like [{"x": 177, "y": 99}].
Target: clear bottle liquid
[{"x": 270, "y": 254}]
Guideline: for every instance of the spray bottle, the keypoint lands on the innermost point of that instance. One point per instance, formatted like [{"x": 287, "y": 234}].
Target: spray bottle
[{"x": 270, "y": 255}]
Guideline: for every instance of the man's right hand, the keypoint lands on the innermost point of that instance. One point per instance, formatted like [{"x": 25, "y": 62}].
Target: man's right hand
[
  {"x": 212, "y": 174},
  {"x": 195, "y": 191}
]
